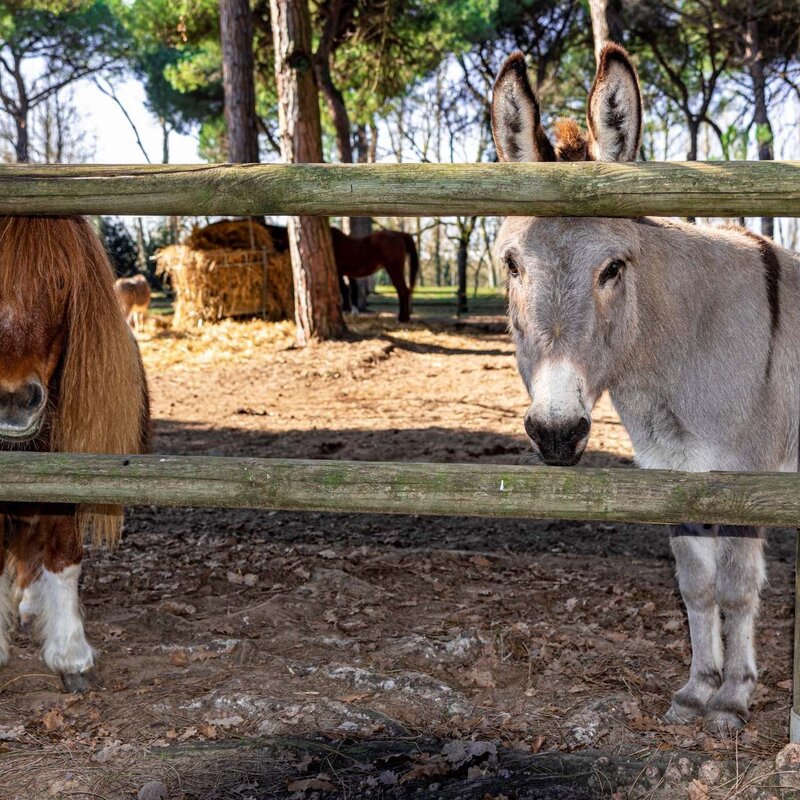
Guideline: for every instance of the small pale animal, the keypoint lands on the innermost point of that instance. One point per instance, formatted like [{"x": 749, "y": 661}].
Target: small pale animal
[
  {"x": 134, "y": 299},
  {"x": 694, "y": 332}
]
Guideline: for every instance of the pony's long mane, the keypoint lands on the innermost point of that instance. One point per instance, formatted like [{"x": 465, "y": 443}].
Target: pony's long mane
[{"x": 100, "y": 394}]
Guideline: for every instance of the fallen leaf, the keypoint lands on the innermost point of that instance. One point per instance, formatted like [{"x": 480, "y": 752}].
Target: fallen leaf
[
  {"x": 53, "y": 720},
  {"x": 353, "y": 698},
  {"x": 435, "y": 767},
  {"x": 321, "y": 783},
  {"x": 249, "y": 579},
  {"x": 537, "y": 743},
  {"x": 697, "y": 790}
]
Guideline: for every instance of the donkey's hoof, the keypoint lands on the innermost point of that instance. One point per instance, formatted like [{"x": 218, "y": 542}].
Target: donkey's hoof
[
  {"x": 76, "y": 682},
  {"x": 685, "y": 709},
  {"x": 725, "y": 723}
]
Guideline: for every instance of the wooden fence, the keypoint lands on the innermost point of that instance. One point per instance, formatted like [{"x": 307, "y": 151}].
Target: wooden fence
[{"x": 630, "y": 190}]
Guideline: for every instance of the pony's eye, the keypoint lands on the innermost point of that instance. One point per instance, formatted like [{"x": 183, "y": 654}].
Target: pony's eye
[
  {"x": 513, "y": 267},
  {"x": 611, "y": 271}
]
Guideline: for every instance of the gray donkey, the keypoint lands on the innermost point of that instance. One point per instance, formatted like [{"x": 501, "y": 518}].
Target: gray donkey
[{"x": 695, "y": 332}]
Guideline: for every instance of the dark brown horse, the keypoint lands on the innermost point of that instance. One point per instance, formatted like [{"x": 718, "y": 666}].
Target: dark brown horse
[{"x": 362, "y": 256}]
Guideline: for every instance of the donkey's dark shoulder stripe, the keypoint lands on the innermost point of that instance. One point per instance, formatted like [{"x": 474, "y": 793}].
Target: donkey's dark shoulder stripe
[{"x": 772, "y": 280}]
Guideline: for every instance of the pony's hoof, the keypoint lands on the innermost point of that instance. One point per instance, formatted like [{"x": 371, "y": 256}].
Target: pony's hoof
[
  {"x": 724, "y": 723},
  {"x": 76, "y": 682}
]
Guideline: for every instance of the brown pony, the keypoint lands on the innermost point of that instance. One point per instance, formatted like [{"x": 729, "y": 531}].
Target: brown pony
[
  {"x": 71, "y": 380},
  {"x": 133, "y": 294},
  {"x": 361, "y": 256}
]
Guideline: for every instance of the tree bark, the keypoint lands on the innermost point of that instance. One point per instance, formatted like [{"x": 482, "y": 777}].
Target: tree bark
[
  {"x": 316, "y": 288},
  {"x": 754, "y": 58},
  {"x": 606, "y": 24},
  {"x": 335, "y": 101},
  {"x": 236, "y": 34},
  {"x": 22, "y": 144},
  {"x": 361, "y": 226}
]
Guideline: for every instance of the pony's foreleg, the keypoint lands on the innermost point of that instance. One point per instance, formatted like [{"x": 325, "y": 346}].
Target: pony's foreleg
[
  {"x": 54, "y": 596},
  {"x": 740, "y": 576},
  {"x": 695, "y": 550}
]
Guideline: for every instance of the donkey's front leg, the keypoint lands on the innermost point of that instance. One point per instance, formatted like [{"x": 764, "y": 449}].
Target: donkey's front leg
[
  {"x": 740, "y": 576},
  {"x": 695, "y": 549}
]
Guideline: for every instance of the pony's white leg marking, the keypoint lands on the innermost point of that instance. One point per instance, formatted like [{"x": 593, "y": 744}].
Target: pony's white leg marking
[
  {"x": 27, "y": 609},
  {"x": 6, "y": 605},
  {"x": 740, "y": 576},
  {"x": 55, "y": 598},
  {"x": 695, "y": 552}
]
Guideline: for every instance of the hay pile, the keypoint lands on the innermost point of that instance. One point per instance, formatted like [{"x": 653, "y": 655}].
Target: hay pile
[{"x": 228, "y": 269}]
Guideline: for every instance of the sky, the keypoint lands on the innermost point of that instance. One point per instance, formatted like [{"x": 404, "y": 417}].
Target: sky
[{"x": 115, "y": 140}]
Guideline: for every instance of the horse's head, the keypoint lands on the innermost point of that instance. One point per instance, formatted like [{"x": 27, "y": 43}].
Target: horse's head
[
  {"x": 571, "y": 281},
  {"x": 32, "y": 338}
]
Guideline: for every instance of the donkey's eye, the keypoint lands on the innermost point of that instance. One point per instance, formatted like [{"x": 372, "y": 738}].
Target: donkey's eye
[
  {"x": 611, "y": 271},
  {"x": 511, "y": 264}
]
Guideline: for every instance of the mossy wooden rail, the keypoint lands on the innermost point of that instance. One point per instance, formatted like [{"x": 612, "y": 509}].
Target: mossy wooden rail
[
  {"x": 623, "y": 495},
  {"x": 593, "y": 189}
]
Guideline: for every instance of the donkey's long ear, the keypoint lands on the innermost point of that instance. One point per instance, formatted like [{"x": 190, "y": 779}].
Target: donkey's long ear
[
  {"x": 614, "y": 113},
  {"x": 516, "y": 124}
]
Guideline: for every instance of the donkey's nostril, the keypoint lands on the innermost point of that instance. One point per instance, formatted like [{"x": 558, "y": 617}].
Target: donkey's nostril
[
  {"x": 580, "y": 430},
  {"x": 533, "y": 429}
]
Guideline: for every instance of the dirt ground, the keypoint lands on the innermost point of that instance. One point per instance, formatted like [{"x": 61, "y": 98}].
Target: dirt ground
[{"x": 257, "y": 655}]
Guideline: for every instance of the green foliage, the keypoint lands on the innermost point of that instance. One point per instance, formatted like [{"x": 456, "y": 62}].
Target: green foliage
[
  {"x": 177, "y": 57},
  {"x": 68, "y": 34},
  {"x": 120, "y": 245}
]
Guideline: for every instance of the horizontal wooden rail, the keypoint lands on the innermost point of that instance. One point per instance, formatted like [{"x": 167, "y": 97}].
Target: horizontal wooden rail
[
  {"x": 721, "y": 189},
  {"x": 623, "y": 495}
]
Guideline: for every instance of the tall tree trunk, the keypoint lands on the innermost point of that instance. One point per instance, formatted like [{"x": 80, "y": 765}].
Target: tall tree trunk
[
  {"x": 22, "y": 144},
  {"x": 236, "y": 35},
  {"x": 316, "y": 288},
  {"x": 754, "y": 58},
  {"x": 361, "y": 226},
  {"x": 164, "y": 142},
  {"x": 141, "y": 247},
  {"x": 335, "y": 102},
  {"x": 606, "y": 24},
  {"x": 461, "y": 262}
]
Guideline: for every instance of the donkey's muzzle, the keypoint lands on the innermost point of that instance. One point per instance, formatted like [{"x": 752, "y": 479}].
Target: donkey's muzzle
[
  {"x": 21, "y": 411},
  {"x": 559, "y": 445}
]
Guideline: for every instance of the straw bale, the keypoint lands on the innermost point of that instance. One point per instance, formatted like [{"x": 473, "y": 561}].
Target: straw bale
[{"x": 228, "y": 269}]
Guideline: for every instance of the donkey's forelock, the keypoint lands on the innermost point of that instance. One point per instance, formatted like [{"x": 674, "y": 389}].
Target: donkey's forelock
[{"x": 613, "y": 115}]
